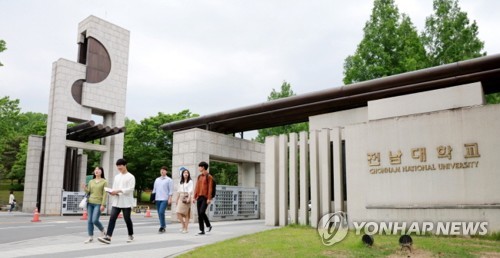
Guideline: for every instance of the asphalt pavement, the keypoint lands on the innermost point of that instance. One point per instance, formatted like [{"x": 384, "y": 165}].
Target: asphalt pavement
[{"x": 64, "y": 236}]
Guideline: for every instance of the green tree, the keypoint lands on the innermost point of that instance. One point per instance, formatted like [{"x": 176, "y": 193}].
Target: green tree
[
  {"x": 2, "y": 47},
  {"x": 286, "y": 91},
  {"x": 15, "y": 127},
  {"x": 390, "y": 46},
  {"x": 9, "y": 115},
  {"x": 449, "y": 36},
  {"x": 16, "y": 145},
  {"x": 31, "y": 123},
  {"x": 493, "y": 98},
  {"x": 94, "y": 160},
  {"x": 28, "y": 124},
  {"x": 148, "y": 148},
  {"x": 10, "y": 151},
  {"x": 411, "y": 52},
  {"x": 224, "y": 173},
  {"x": 18, "y": 169}
]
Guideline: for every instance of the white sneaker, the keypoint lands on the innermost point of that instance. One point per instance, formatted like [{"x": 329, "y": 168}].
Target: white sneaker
[
  {"x": 88, "y": 241},
  {"x": 130, "y": 239}
]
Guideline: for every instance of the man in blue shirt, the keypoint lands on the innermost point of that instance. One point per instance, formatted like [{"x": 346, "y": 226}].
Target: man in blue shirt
[{"x": 163, "y": 190}]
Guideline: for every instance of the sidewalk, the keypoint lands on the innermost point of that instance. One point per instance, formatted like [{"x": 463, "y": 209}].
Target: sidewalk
[{"x": 147, "y": 242}]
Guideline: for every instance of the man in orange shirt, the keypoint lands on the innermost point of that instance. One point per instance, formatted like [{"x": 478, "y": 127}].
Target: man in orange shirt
[{"x": 203, "y": 196}]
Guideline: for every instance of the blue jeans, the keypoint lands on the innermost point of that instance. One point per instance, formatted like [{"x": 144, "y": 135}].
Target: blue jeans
[
  {"x": 94, "y": 212},
  {"x": 161, "y": 206}
]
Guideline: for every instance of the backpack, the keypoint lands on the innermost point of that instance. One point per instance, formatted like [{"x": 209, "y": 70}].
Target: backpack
[{"x": 214, "y": 186}]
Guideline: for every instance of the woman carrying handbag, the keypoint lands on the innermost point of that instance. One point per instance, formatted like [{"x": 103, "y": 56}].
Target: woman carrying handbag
[
  {"x": 96, "y": 202},
  {"x": 184, "y": 198}
]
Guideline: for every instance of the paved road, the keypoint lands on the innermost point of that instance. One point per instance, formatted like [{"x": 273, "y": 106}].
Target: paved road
[{"x": 63, "y": 236}]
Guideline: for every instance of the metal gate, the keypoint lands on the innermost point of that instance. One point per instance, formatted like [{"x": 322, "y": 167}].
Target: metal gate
[{"x": 234, "y": 202}]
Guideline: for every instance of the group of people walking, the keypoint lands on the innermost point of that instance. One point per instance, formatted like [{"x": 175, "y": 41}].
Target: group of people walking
[{"x": 122, "y": 199}]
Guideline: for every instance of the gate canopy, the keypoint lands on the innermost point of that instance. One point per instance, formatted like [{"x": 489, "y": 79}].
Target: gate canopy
[
  {"x": 299, "y": 108},
  {"x": 88, "y": 131}
]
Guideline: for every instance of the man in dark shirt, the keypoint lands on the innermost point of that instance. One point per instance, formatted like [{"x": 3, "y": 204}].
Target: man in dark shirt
[{"x": 203, "y": 196}]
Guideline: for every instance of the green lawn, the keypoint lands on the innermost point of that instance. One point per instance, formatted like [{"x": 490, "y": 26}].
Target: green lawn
[{"x": 299, "y": 241}]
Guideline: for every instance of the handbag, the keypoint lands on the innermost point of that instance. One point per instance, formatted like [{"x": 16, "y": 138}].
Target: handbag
[
  {"x": 83, "y": 203},
  {"x": 152, "y": 197},
  {"x": 185, "y": 195},
  {"x": 185, "y": 198}
]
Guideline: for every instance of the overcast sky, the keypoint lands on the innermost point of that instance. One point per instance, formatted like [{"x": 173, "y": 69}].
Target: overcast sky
[{"x": 205, "y": 56}]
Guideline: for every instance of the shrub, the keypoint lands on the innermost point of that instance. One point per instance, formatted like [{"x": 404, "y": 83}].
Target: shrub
[{"x": 17, "y": 187}]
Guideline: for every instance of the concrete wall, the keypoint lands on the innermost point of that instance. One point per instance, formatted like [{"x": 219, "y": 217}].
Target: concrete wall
[
  {"x": 195, "y": 145},
  {"x": 451, "y": 183},
  {"x": 35, "y": 144},
  {"x": 338, "y": 119},
  {"x": 427, "y": 101}
]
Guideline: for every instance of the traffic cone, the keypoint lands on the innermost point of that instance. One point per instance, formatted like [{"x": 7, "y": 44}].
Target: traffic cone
[
  {"x": 36, "y": 216},
  {"x": 84, "y": 216},
  {"x": 148, "y": 213},
  {"x": 120, "y": 215}
]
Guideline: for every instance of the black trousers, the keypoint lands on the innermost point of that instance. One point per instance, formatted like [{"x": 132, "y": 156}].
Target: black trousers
[
  {"x": 126, "y": 216},
  {"x": 201, "y": 204}
]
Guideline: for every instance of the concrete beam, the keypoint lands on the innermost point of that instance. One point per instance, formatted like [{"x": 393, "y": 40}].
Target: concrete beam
[{"x": 87, "y": 146}]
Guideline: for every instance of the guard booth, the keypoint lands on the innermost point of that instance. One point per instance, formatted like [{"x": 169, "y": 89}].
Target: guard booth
[{"x": 234, "y": 203}]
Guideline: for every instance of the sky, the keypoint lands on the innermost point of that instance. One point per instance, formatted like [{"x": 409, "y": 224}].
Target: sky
[{"x": 205, "y": 56}]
